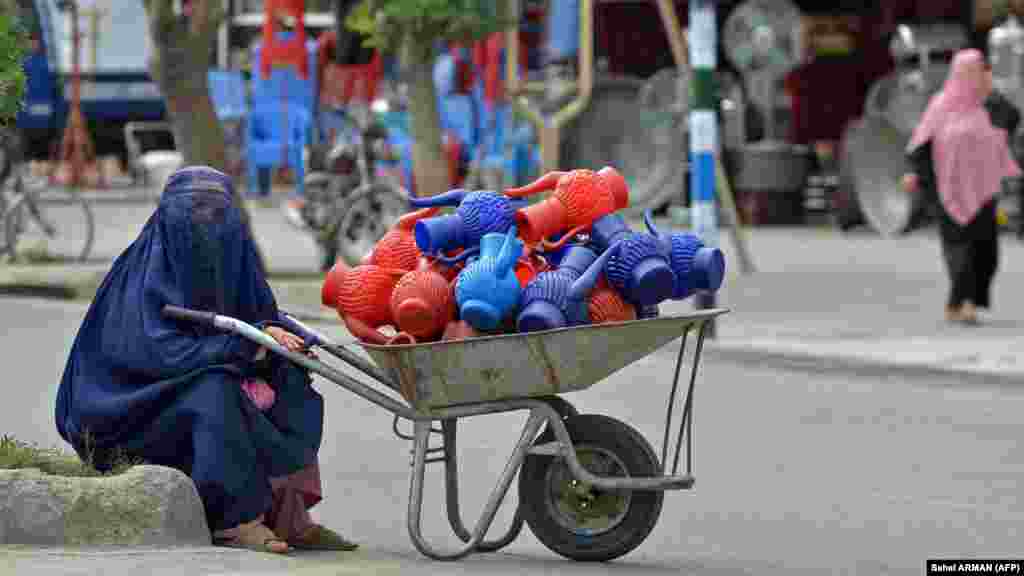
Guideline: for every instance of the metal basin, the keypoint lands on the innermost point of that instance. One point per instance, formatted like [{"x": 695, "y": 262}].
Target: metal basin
[
  {"x": 770, "y": 166},
  {"x": 901, "y": 96},
  {"x": 876, "y": 154}
]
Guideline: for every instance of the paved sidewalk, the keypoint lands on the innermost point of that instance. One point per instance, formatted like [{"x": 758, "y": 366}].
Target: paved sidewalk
[{"x": 818, "y": 296}]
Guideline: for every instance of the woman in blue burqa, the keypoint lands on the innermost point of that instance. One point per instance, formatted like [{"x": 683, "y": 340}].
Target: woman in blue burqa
[{"x": 243, "y": 424}]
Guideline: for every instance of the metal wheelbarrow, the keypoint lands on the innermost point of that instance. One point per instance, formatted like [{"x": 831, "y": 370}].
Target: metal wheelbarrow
[{"x": 590, "y": 486}]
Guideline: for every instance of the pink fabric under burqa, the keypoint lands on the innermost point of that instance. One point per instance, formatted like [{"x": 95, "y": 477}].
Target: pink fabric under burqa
[
  {"x": 294, "y": 495},
  {"x": 971, "y": 156}
]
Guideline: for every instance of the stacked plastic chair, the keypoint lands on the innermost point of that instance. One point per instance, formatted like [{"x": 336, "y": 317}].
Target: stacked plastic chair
[
  {"x": 281, "y": 119},
  {"x": 227, "y": 92}
]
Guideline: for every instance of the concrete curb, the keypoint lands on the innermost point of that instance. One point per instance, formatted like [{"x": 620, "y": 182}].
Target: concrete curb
[
  {"x": 144, "y": 506},
  {"x": 746, "y": 353},
  {"x": 52, "y": 280}
]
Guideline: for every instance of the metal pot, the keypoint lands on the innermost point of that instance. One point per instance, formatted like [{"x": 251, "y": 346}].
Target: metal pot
[{"x": 769, "y": 166}]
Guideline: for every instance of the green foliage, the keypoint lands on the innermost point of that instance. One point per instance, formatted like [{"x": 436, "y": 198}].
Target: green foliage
[
  {"x": 15, "y": 454},
  {"x": 389, "y": 23},
  {"x": 13, "y": 42}
]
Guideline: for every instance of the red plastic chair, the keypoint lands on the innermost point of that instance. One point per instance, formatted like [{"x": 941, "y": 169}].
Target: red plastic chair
[{"x": 277, "y": 50}]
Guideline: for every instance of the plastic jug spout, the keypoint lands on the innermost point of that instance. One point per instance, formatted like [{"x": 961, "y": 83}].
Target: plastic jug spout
[
  {"x": 408, "y": 221},
  {"x": 582, "y": 286},
  {"x": 449, "y": 198},
  {"x": 511, "y": 249}
]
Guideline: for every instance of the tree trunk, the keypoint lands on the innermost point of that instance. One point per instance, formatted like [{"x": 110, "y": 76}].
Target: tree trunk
[
  {"x": 429, "y": 161},
  {"x": 178, "y": 64}
]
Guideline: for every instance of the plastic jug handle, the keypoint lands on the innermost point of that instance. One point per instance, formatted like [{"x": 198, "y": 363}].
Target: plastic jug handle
[
  {"x": 402, "y": 338},
  {"x": 552, "y": 246},
  {"x": 583, "y": 285},
  {"x": 649, "y": 222},
  {"x": 453, "y": 260},
  {"x": 364, "y": 331},
  {"x": 542, "y": 184}
]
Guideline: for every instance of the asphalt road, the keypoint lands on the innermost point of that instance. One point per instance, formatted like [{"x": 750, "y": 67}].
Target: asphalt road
[{"x": 798, "y": 471}]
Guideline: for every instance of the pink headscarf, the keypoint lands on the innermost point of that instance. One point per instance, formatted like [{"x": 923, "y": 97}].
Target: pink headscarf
[{"x": 970, "y": 154}]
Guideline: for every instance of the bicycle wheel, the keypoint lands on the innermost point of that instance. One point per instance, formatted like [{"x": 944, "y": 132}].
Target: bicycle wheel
[
  {"x": 52, "y": 225},
  {"x": 3, "y": 223},
  {"x": 364, "y": 216}
]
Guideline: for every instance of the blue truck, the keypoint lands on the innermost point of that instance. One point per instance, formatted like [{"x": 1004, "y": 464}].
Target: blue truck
[{"x": 116, "y": 86}]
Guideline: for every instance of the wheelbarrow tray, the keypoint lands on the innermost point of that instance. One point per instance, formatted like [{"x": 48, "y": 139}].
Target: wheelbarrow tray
[{"x": 440, "y": 374}]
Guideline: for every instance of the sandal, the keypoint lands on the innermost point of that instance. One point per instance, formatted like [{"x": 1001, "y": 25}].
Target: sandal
[
  {"x": 252, "y": 536},
  {"x": 316, "y": 537}
]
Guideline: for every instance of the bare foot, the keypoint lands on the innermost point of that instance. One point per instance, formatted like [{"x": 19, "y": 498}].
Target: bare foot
[{"x": 969, "y": 313}]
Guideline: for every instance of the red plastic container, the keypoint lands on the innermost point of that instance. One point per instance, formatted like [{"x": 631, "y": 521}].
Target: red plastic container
[
  {"x": 423, "y": 303},
  {"x": 362, "y": 298},
  {"x": 397, "y": 248},
  {"x": 579, "y": 198},
  {"x": 529, "y": 266},
  {"x": 607, "y": 305}
]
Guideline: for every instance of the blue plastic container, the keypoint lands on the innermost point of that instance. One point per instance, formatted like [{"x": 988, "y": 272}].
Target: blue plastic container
[{"x": 487, "y": 290}]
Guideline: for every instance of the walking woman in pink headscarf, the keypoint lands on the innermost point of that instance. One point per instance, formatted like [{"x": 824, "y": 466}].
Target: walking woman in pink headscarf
[{"x": 970, "y": 157}]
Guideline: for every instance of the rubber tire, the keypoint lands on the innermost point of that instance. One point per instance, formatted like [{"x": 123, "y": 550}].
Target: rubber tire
[
  {"x": 644, "y": 507},
  {"x": 336, "y": 249},
  {"x": 12, "y": 223}
]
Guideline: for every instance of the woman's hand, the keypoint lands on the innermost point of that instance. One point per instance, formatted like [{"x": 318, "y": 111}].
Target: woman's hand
[
  {"x": 911, "y": 183},
  {"x": 285, "y": 338}
]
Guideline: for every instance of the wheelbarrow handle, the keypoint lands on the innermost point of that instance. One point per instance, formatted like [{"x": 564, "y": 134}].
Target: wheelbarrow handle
[{"x": 197, "y": 316}]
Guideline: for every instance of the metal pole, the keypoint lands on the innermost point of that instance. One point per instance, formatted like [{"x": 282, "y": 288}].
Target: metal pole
[
  {"x": 677, "y": 39},
  {"x": 703, "y": 130}
]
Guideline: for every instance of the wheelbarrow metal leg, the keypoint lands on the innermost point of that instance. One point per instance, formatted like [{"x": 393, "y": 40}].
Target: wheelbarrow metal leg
[
  {"x": 449, "y": 427},
  {"x": 422, "y": 433},
  {"x": 568, "y": 453}
]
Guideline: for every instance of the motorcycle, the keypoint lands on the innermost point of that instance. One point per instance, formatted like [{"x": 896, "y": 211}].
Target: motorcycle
[{"x": 349, "y": 202}]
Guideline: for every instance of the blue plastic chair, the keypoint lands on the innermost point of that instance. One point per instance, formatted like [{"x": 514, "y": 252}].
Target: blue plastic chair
[
  {"x": 285, "y": 82},
  {"x": 276, "y": 135},
  {"x": 459, "y": 116},
  {"x": 227, "y": 91},
  {"x": 563, "y": 31},
  {"x": 457, "y": 111}
]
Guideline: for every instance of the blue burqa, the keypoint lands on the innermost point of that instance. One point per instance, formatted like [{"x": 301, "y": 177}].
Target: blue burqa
[{"x": 168, "y": 391}]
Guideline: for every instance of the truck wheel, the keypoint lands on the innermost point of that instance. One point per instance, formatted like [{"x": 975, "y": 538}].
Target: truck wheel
[{"x": 577, "y": 520}]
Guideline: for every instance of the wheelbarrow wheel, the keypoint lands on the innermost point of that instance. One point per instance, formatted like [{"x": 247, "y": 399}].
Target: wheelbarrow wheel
[{"x": 582, "y": 522}]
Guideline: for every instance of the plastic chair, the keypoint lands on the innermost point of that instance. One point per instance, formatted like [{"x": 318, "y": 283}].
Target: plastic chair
[
  {"x": 227, "y": 91},
  {"x": 457, "y": 111},
  {"x": 276, "y": 135},
  {"x": 228, "y": 95},
  {"x": 286, "y": 82}
]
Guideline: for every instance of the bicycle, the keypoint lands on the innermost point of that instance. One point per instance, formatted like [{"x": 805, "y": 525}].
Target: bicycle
[{"x": 37, "y": 222}]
